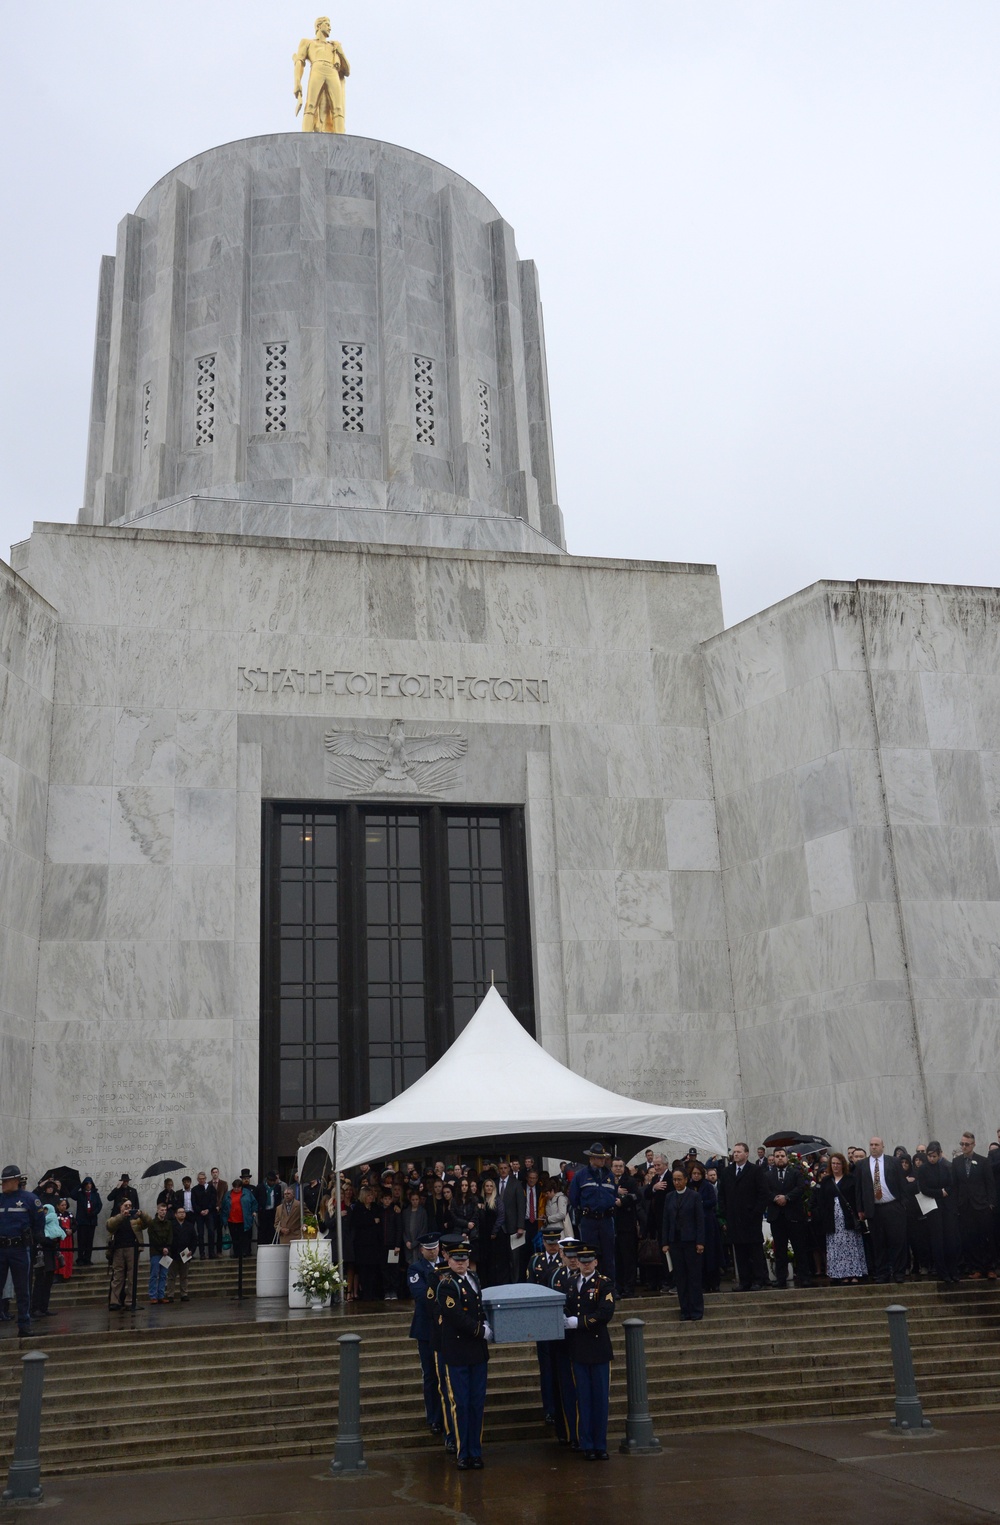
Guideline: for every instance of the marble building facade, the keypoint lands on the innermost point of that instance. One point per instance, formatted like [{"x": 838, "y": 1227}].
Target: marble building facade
[{"x": 761, "y": 863}]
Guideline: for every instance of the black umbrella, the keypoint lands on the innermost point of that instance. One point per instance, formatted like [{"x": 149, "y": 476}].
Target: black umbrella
[
  {"x": 802, "y": 1143},
  {"x": 161, "y": 1167},
  {"x": 68, "y": 1178},
  {"x": 811, "y": 1143}
]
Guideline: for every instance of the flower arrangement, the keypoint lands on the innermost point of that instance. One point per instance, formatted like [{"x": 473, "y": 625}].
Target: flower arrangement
[
  {"x": 319, "y": 1278},
  {"x": 310, "y": 1226}
]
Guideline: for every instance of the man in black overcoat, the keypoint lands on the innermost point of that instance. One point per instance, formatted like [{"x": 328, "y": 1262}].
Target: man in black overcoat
[{"x": 743, "y": 1200}]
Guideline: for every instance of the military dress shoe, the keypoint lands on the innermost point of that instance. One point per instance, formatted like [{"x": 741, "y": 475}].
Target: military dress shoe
[
  {"x": 600, "y": 1456},
  {"x": 449, "y": 1446},
  {"x": 463, "y": 1466},
  {"x": 436, "y": 1429},
  {"x": 477, "y": 1464}
]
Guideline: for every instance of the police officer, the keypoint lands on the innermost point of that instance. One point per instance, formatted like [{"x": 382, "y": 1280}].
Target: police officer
[
  {"x": 422, "y": 1280},
  {"x": 465, "y": 1334},
  {"x": 590, "y": 1307},
  {"x": 22, "y": 1223},
  {"x": 592, "y": 1198},
  {"x": 542, "y": 1267}
]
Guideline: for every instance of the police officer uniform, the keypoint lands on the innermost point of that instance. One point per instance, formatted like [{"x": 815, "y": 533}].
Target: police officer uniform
[
  {"x": 22, "y": 1222},
  {"x": 592, "y": 1197},
  {"x": 464, "y": 1336},
  {"x": 590, "y": 1307},
  {"x": 422, "y": 1279},
  {"x": 542, "y": 1267}
]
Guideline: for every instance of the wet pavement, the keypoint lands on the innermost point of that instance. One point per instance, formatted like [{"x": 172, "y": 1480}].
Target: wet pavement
[{"x": 832, "y": 1474}]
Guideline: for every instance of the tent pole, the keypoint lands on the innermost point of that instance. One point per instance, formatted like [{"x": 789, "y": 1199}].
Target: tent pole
[{"x": 340, "y": 1222}]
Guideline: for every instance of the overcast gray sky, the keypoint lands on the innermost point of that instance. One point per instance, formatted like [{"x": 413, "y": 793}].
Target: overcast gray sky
[{"x": 767, "y": 234}]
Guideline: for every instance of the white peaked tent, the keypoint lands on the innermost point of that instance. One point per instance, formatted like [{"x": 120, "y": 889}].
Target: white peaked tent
[{"x": 496, "y": 1085}]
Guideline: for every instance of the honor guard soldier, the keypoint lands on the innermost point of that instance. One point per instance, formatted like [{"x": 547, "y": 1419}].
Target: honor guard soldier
[
  {"x": 590, "y": 1307},
  {"x": 22, "y": 1222},
  {"x": 422, "y": 1280},
  {"x": 592, "y": 1197},
  {"x": 542, "y": 1267},
  {"x": 567, "y": 1416},
  {"x": 464, "y": 1338}
]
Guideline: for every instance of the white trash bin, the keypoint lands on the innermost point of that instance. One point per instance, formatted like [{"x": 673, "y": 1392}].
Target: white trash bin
[{"x": 272, "y": 1270}]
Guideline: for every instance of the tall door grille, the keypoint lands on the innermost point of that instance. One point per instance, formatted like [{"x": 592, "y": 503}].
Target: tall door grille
[{"x": 384, "y": 928}]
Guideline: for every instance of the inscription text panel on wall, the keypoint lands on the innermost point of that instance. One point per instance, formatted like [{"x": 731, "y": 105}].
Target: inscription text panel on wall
[{"x": 345, "y": 684}]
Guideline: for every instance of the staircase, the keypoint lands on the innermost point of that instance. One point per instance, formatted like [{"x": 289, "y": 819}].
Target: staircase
[
  {"x": 88, "y": 1286},
  {"x": 229, "y": 1390}
]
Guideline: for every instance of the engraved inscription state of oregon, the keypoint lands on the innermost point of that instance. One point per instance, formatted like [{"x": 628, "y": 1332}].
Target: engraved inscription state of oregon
[{"x": 344, "y": 683}]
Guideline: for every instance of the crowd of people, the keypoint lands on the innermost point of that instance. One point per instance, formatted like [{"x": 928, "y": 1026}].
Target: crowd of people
[{"x": 657, "y": 1225}]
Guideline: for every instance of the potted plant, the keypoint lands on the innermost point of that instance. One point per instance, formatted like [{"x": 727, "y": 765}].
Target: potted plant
[{"x": 318, "y": 1277}]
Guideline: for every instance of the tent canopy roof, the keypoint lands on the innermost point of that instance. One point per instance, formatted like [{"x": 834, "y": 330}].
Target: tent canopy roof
[{"x": 495, "y": 1086}]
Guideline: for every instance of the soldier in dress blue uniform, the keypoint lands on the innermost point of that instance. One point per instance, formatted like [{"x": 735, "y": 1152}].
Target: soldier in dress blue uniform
[
  {"x": 542, "y": 1267},
  {"x": 465, "y": 1334},
  {"x": 590, "y": 1307},
  {"x": 567, "y": 1415},
  {"x": 592, "y": 1197},
  {"x": 422, "y": 1280},
  {"x": 22, "y": 1222}
]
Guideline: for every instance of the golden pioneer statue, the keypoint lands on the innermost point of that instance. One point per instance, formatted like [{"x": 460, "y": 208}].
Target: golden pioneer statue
[{"x": 328, "y": 68}]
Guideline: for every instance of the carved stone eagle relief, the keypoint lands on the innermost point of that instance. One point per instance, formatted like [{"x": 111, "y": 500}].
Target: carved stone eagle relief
[{"x": 394, "y": 761}]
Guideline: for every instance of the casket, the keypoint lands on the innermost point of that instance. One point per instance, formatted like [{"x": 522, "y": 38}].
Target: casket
[{"x": 523, "y": 1312}]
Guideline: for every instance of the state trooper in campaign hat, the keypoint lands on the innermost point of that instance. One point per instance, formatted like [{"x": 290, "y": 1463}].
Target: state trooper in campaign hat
[
  {"x": 22, "y": 1225},
  {"x": 593, "y": 1194}
]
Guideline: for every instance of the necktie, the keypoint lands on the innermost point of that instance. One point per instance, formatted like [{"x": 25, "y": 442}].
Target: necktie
[
  {"x": 738, "y": 1169},
  {"x": 878, "y": 1183},
  {"x": 531, "y": 1203},
  {"x": 781, "y": 1178}
]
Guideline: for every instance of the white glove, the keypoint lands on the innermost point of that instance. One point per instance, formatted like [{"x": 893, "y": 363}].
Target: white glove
[
  {"x": 488, "y": 1332},
  {"x": 570, "y": 1321}
]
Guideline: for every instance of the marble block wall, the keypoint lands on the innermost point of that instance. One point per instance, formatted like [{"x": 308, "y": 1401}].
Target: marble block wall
[
  {"x": 933, "y": 657},
  {"x": 853, "y": 730},
  {"x": 198, "y": 674},
  {"x": 27, "y": 666}
]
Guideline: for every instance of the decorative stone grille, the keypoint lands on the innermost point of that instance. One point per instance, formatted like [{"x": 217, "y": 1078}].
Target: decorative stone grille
[
  {"x": 423, "y": 398},
  {"x": 352, "y": 388},
  {"x": 485, "y": 427},
  {"x": 147, "y": 404},
  {"x": 275, "y": 388},
  {"x": 204, "y": 413}
]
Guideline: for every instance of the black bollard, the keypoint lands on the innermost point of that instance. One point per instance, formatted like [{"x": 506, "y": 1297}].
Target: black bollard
[
  {"x": 348, "y": 1454},
  {"x": 639, "y": 1438},
  {"x": 909, "y": 1414},
  {"x": 24, "y": 1480}
]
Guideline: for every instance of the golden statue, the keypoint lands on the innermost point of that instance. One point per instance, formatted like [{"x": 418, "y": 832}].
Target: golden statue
[{"x": 328, "y": 68}]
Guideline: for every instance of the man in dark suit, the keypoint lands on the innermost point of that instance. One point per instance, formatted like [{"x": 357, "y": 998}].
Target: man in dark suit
[
  {"x": 879, "y": 1192},
  {"x": 510, "y": 1210},
  {"x": 975, "y": 1189},
  {"x": 205, "y": 1204},
  {"x": 743, "y": 1200},
  {"x": 658, "y": 1185},
  {"x": 786, "y": 1183}
]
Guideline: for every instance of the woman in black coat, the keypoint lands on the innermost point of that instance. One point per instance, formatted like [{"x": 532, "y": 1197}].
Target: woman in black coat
[
  {"x": 712, "y": 1271},
  {"x": 88, "y": 1211},
  {"x": 369, "y": 1251},
  {"x": 845, "y": 1252},
  {"x": 491, "y": 1255}
]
